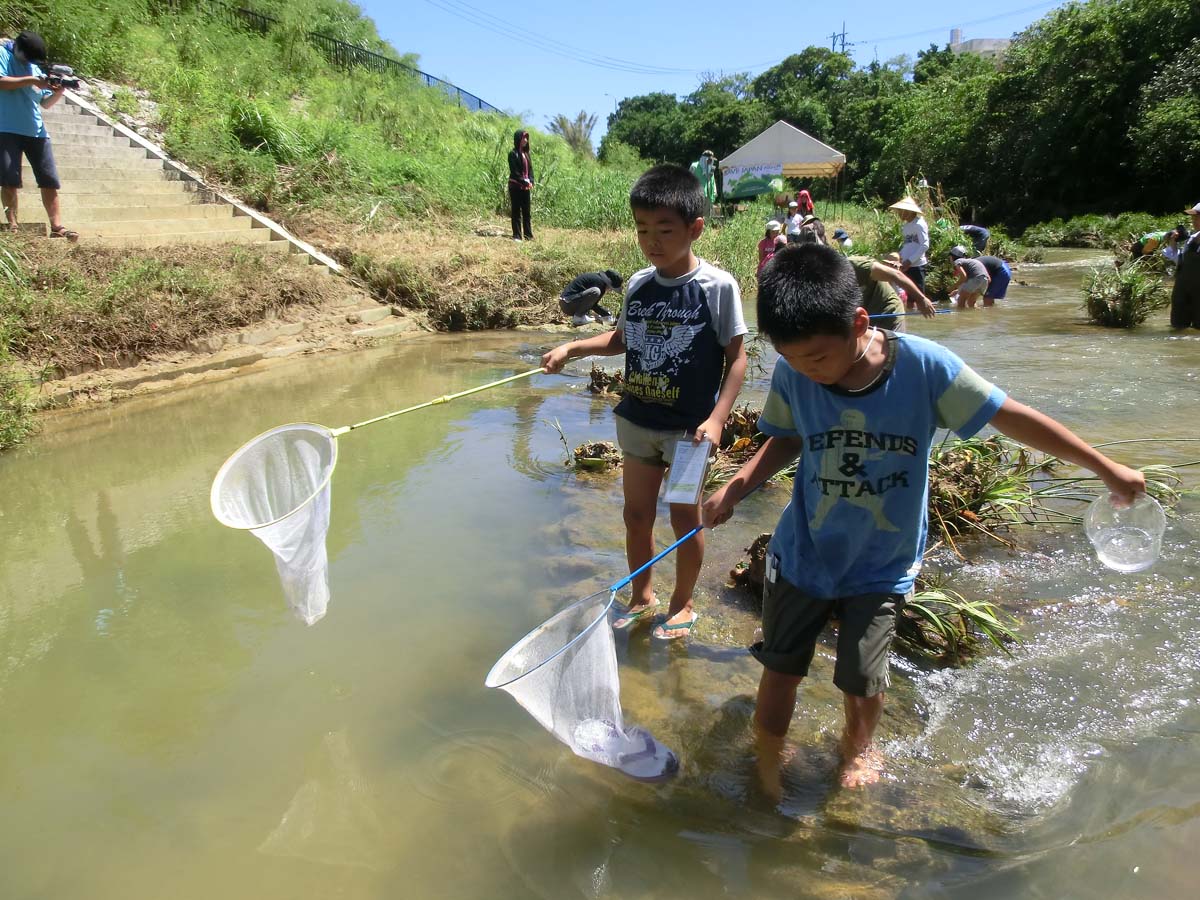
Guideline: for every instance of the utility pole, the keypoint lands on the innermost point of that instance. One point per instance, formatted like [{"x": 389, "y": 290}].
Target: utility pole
[{"x": 836, "y": 36}]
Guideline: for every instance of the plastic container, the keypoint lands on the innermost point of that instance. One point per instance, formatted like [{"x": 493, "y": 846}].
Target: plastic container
[{"x": 1127, "y": 539}]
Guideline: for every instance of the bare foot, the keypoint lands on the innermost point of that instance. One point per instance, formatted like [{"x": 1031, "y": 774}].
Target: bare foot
[
  {"x": 861, "y": 768},
  {"x": 773, "y": 755}
]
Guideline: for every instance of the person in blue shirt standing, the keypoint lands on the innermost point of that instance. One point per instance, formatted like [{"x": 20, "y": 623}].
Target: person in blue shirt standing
[
  {"x": 24, "y": 92},
  {"x": 859, "y": 407}
]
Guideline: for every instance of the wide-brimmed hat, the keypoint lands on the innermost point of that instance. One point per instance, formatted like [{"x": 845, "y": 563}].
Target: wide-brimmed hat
[
  {"x": 907, "y": 204},
  {"x": 772, "y": 225},
  {"x": 810, "y": 218},
  {"x": 1193, "y": 210}
]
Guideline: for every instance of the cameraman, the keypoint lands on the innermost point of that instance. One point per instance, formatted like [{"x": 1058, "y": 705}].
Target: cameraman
[{"x": 24, "y": 92}]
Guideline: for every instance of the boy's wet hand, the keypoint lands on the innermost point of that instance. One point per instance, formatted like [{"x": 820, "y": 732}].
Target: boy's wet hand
[
  {"x": 1125, "y": 484},
  {"x": 716, "y": 510},
  {"x": 554, "y": 360}
]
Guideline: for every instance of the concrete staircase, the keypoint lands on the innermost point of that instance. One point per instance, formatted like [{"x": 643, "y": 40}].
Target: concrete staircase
[{"x": 118, "y": 190}]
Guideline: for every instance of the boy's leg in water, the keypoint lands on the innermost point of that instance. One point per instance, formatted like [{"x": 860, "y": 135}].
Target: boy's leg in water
[
  {"x": 861, "y": 762},
  {"x": 688, "y": 559},
  {"x": 773, "y": 710},
  {"x": 640, "y": 484}
]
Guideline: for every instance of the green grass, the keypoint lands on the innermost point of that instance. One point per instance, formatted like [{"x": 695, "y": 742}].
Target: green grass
[{"x": 1098, "y": 231}]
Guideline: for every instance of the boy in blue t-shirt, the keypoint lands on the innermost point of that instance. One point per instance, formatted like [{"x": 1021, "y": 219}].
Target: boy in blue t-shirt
[
  {"x": 681, "y": 331},
  {"x": 24, "y": 92},
  {"x": 859, "y": 406}
]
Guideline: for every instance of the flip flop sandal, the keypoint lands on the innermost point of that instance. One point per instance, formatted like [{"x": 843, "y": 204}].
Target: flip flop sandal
[
  {"x": 665, "y": 632},
  {"x": 63, "y": 232},
  {"x": 628, "y": 619}
]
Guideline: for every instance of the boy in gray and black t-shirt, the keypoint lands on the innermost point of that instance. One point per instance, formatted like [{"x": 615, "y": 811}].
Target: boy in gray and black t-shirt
[{"x": 681, "y": 331}]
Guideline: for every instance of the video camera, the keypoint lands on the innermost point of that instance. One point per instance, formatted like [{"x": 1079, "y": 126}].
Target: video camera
[{"x": 62, "y": 76}]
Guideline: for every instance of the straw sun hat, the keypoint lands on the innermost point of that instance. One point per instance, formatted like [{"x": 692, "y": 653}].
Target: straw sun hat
[{"x": 908, "y": 204}]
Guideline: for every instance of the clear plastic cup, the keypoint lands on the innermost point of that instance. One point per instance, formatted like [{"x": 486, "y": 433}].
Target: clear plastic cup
[{"x": 1128, "y": 538}]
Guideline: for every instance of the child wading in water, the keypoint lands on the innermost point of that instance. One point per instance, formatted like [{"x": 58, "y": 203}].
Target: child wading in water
[
  {"x": 681, "y": 331},
  {"x": 859, "y": 406}
]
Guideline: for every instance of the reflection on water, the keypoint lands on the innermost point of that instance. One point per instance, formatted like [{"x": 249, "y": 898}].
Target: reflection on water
[{"x": 167, "y": 722}]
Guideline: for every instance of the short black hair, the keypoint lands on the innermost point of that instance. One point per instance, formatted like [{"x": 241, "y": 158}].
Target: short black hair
[
  {"x": 31, "y": 45},
  {"x": 669, "y": 187},
  {"x": 806, "y": 290},
  {"x": 614, "y": 278}
]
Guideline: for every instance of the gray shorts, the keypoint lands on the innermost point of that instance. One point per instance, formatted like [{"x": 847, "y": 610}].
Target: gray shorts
[
  {"x": 976, "y": 285},
  {"x": 39, "y": 154},
  {"x": 793, "y": 622},
  {"x": 581, "y": 303},
  {"x": 648, "y": 445}
]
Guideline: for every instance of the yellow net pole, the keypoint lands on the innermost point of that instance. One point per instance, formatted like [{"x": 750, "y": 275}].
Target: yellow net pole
[{"x": 338, "y": 432}]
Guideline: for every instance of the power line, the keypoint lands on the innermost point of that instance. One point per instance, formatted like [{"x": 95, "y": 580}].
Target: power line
[
  {"x": 485, "y": 20},
  {"x": 1003, "y": 15}
]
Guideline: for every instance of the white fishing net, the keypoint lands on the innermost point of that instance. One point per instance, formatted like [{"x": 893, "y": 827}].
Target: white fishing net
[
  {"x": 564, "y": 673},
  {"x": 277, "y": 487}
]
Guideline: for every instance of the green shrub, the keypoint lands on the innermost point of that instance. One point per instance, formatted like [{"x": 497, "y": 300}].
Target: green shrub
[{"x": 1123, "y": 296}]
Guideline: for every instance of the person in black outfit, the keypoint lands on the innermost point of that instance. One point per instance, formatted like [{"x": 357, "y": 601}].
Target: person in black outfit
[
  {"x": 520, "y": 185},
  {"x": 581, "y": 298},
  {"x": 1185, "y": 296}
]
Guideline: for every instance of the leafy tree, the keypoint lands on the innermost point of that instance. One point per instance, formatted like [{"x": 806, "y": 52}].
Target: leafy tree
[
  {"x": 576, "y": 132},
  {"x": 718, "y": 115},
  {"x": 1167, "y": 133},
  {"x": 650, "y": 123},
  {"x": 1060, "y": 114}
]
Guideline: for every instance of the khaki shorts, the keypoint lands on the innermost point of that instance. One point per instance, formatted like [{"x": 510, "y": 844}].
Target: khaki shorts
[
  {"x": 648, "y": 445},
  {"x": 793, "y": 622}
]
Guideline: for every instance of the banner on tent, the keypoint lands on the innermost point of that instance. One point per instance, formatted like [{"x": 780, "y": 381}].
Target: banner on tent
[{"x": 750, "y": 181}]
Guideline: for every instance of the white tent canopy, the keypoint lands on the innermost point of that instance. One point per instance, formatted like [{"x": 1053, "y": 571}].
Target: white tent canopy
[{"x": 800, "y": 154}]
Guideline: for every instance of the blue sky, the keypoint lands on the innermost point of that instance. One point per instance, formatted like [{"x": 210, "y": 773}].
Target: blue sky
[{"x": 588, "y": 55}]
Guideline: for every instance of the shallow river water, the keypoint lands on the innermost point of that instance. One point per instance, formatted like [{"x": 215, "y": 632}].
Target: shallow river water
[{"x": 170, "y": 730}]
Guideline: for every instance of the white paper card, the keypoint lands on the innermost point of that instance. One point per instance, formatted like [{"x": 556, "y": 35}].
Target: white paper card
[{"x": 685, "y": 479}]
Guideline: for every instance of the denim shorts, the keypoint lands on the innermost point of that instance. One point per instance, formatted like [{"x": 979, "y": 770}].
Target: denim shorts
[
  {"x": 792, "y": 623},
  {"x": 39, "y": 154}
]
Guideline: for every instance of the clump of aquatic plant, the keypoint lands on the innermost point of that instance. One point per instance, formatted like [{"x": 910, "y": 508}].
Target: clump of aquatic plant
[
  {"x": 603, "y": 381},
  {"x": 597, "y": 456},
  {"x": 943, "y": 628},
  {"x": 978, "y": 485},
  {"x": 751, "y": 572},
  {"x": 740, "y": 440},
  {"x": 1123, "y": 296}
]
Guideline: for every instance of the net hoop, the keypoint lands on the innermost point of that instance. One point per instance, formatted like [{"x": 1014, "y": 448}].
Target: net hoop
[
  {"x": 494, "y": 676},
  {"x": 235, "y": 457}
]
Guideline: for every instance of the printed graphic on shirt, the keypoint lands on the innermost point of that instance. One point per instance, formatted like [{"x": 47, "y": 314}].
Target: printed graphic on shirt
[{"x": 842, "y": 474}]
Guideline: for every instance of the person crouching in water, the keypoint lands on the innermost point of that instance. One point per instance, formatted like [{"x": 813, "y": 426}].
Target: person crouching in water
[
  {"x": 973, "y": 279},
  {"x": 859, "y": 408},
  {"x": 581, "y": 298}
]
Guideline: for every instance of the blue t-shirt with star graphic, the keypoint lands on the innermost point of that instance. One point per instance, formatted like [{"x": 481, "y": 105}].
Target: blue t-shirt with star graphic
[
  {"x": 676, "y": 331},
  {"x": 857, "y": 521}
]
